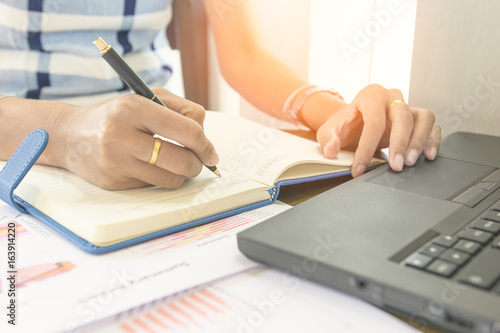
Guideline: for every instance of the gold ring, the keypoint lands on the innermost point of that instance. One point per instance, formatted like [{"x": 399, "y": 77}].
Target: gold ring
[
  {"x": 156, "y": 151},
  {"x": 396, "y": 102}
]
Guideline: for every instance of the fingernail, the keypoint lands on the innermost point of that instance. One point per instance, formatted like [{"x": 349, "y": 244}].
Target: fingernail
[
  {"x": 412, "y": 157},
  {"x": 214, "y": 159},
  {"x": 399, "y": 161},
  {"x": 432, "y": 153},
  {"x": 360, "y": 169}
]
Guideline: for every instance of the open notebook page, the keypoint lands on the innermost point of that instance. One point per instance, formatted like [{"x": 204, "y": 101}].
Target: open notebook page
[{"x": 263, "y": 153}]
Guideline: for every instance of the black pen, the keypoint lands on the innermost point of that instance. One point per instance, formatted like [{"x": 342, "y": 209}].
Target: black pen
[{"x": 131, "y": 78}]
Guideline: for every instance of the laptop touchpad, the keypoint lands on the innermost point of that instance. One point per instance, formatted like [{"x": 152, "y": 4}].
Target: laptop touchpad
[{"x": 442, "y": 178}]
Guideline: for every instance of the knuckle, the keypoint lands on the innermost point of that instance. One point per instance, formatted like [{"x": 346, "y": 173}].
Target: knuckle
[
  {"x": 197, "y": 108},
  {"x": 395, "y": 92},
  {"x": 377, "y": 123},
  {"x": 429, "y": 115},
  {"x": 376, "y": 87},
  {"x": 187, "y": 166},
  {"x": 196, "y": 112},
  {"x": 195, "y": 132},
  {"x": 121, "y": 109},
  {"x": 123, "y": 103},
  {"x": 407, "y": 118}
]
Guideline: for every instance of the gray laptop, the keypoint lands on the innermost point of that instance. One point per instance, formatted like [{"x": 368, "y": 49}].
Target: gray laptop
[{"x": 424, "y": 243}]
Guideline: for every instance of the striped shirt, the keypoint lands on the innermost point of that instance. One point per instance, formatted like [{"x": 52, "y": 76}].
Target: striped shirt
[{"x": 46, "y": 49}]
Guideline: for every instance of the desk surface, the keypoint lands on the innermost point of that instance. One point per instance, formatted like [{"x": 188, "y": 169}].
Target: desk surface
[{"x": 295, "y": 194}]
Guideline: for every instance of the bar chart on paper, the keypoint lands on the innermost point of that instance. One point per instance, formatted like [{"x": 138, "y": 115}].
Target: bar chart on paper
[
  {"x": 205, "y": 310},
  {"x": 205, "y": 231},
  {"x": 19, "y": 229},
  {"x": 24, "y": 225},
  {"x": 224, "y": 306},
  {"x": 259, "y": 300}
]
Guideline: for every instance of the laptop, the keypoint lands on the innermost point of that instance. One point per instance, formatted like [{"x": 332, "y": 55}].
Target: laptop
[{"x": 423, "y": 243}]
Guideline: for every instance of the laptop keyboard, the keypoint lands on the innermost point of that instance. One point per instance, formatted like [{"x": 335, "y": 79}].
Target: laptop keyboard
[{"x": 472, "y": 256}]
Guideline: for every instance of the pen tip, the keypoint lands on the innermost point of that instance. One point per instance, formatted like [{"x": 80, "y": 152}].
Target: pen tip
[{"x": 213, "y": 169}]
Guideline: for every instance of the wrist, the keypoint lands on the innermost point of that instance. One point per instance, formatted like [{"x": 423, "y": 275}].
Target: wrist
[
  {"x": 59, "y": 129},
  {"x": 319, "y": 108},
  {"x": 311, "y": 105},
  {"x": 22, "y": 116}
]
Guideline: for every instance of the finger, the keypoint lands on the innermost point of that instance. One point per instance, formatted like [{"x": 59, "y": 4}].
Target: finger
[
  {"x": 181, "y": 105},
  {"x": 155, "y": 119},
  {"x": 171, "y": 157},
  {"x": 423, "y": 124},
  {"x": 154, "y": 175},
  {"x": 433, "y": 143},
  {"x": 372, "y": 132},
  {"x": 402, "y": 124},
  {"x": 328, "y": 136},
  {"x": 333, "y": 135}
]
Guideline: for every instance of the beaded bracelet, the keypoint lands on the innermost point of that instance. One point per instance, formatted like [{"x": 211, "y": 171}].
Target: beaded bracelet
[{"x": 295, "y": 102}]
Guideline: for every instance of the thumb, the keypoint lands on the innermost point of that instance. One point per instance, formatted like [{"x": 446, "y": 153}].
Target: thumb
[
  {"x": 331, "y": 134},
  {"x": 328, "y": 137}
]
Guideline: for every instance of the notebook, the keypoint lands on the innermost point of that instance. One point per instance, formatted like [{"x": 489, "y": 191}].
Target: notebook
[
  {"x": 255, "y": 161},
  {"x": 424, "y": 243}
]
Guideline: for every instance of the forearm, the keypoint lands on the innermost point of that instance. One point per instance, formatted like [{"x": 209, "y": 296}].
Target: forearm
[
  {"x": 262, "y": 80},
  {"x": 267, "y": 83},
  {"x": 258, "y": 76},
  {"x": 21, "y": 116}
]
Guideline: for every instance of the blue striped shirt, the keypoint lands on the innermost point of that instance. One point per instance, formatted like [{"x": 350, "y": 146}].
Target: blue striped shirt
[{"x": 46, "y": 49}]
